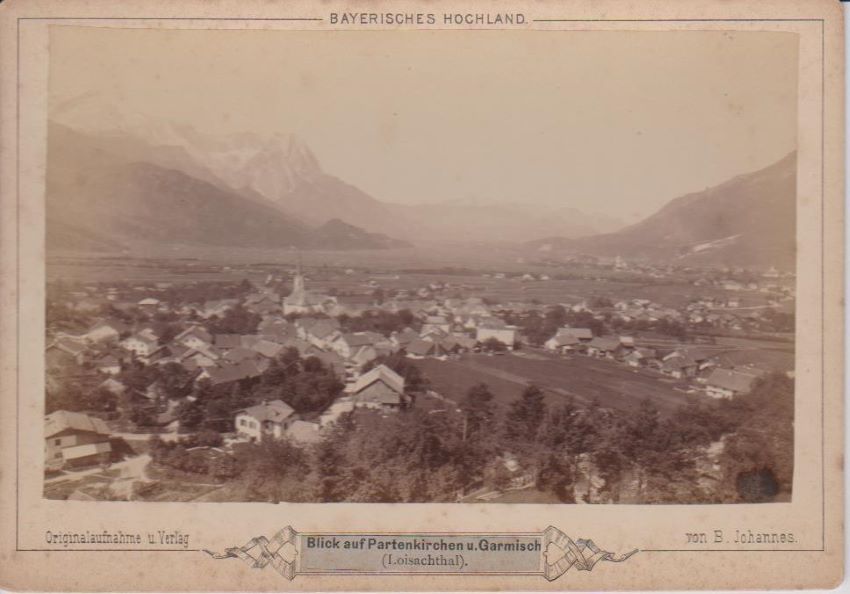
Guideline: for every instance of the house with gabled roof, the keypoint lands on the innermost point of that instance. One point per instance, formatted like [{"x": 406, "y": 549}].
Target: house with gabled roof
[
  {"x": 450, "y": 345},
  {"x": 346, "y": 345},
  {"x": 322, "y": 332},
  {"x": 565, "y": 340},
  {"x": 603, "y": 346},
  {"x": 241, "y": 354},
  {"x": 379, "y": 388},
  {"x": 728, "y": 383},
  {"x": 105, "y": 331},
  {"x": 419, "y": 349},
  {"x": 140, "y": 345},
  {"x": 436, "y": 322},
  {"x": 496, "y": 329},
  {"x": 63, "y": 352},
  {"x": 433, "y": 334},
  {"x": 195, "y": 337},
  {"x": 73, "y": 439},
  {"x": 263, "y": 303},
  {"x": 405, "y": 337},
  {"x": 233, "y": 372},
  {"x": 268, "y": 419},
  {"x": 267, "y": 349},
  {"x": 364, "y": 355}
]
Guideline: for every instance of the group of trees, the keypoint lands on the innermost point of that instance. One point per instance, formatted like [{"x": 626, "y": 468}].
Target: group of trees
[
  {"x": 199, "y": 292},
  {"x": 441, "y": 454},
  {"x": 236, "y": 320},
  {"x": 80, "y": 394},
  {"x": 538, "y": 328},
  {"x": 305, "y": 384},
  {"x": 380, "y": 321}
]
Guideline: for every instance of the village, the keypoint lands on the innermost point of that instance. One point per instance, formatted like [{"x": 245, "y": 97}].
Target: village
[{"x": 135, "y": 370}]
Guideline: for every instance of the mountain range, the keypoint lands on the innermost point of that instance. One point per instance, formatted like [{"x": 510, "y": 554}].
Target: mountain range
[
  {"x": 105, "y": 192},
  {"x": 748, "y": 220},
  {"x": 134, "y": 179},
  {"x": 281, "y": 171}
]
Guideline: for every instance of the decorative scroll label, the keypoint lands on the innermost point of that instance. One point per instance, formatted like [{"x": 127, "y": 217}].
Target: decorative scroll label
[{"x": 550, "y": 553}]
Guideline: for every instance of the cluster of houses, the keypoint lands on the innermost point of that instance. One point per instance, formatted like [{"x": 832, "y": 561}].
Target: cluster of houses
[
  {"x": 685, "y": 363},
  {"x": 380, "y": 388},
  {"x": 310, "y": 323}
]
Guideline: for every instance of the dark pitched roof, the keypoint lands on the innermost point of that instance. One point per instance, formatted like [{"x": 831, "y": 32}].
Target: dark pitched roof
[
  {"x": 235, "y": 372},
  {"x": 197, "y": 331},
  {"x": 227, "y": 341},
  {"x": 61, "y": 420},
  {"x": 380, "y": 373},
  {"x": 240, "y": 354},
  {"x": 605, "y": 343},
  {"x": 420, "y": 347},
  {"x": 730, "y": 379},
  {"x": 267, "y": 348},
  {"x": 69, "y": 346}
]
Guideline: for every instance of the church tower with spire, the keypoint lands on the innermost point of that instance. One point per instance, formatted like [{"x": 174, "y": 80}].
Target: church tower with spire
[{"x": 299, "y": 292}]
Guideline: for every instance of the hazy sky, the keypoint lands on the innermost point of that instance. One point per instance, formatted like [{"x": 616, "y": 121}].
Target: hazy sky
[{"x": 607, "y": 122}]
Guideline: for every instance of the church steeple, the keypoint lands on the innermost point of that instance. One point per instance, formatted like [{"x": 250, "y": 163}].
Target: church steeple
[{"x": 298, "y": 294}]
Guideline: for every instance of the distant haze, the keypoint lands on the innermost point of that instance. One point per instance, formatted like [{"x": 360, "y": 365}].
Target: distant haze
[{"x": 609, "y": 123}]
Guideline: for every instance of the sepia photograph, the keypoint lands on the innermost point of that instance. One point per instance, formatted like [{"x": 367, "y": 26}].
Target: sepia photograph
[{"x": 303, "y": 266}]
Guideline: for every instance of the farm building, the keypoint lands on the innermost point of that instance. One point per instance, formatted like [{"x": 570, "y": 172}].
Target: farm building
[
  {"x": 73, "y": 439},
  {"x": 271, "y": 419},
  {"x": 379, "y": 388}
]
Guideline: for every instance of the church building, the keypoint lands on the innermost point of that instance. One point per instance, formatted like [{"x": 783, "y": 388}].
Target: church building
[{"x": 302, "y": 301}]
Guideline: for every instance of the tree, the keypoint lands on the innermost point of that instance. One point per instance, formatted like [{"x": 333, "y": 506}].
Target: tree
[
  {"x": 236, "y": 320},
  {"x": 330, "y": 467},
  {"x": 758, "y": 457},
  {"x": 272, "y": 471},
  {"x": 190, "y": 413},
  {"x": 174, "y": 380},
  {"x": 141, "y": 414},
  {"x": 525, "y": 416},
  {"x": 477, "y": 409}
]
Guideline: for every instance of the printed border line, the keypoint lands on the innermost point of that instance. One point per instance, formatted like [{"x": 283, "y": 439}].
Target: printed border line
[
  {"x": 18, "y": 256},
  {"x": 822, "y": 284},
  {"x": 667, "y": 20},
  {"x": 125, "y": 18},
  {"x": 18, "y": 284}
]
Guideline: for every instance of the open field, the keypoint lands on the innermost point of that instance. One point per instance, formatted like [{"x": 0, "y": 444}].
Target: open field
[
  {"x": 392, "y": 270},
  {"x": 584, "y": 378}
]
